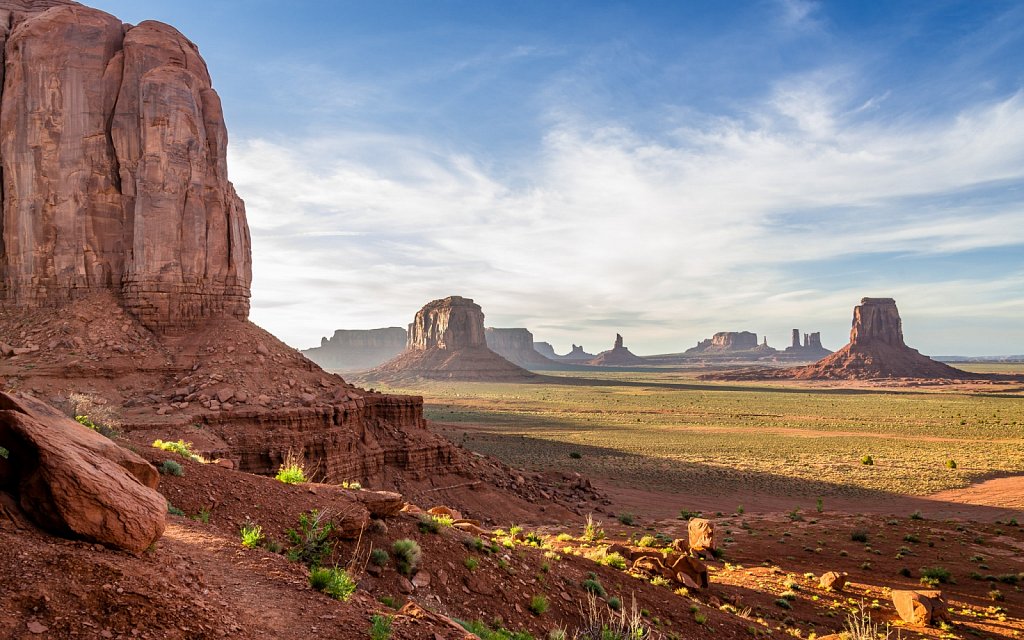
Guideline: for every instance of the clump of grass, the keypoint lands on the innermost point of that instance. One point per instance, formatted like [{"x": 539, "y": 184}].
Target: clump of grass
[
  {"x": 171, "y": 468},
  {"x": 604, "y": 623},
  {"x": 647, "y": 541},
  {"x": 615, "y": 603},
  {"x": 252, "y": 535},
  {"x": 332, "y": 581},
  {"x": 538, "y": 604},
  {"x": 380, "y": 627},
  {"x": 292, "y": 470},
  {"x": 311, "y": 542},
  {"x": 685, "y": 514},
  {"x": 407, "y": 555},
  {"x": 100, "y": 428},
  {"x": 203, "y": 516},
  {"x": 660, "y": 581},
  {"x": 379, "y": 557},
  {"x": 995, "y": 595},
  {"x": 173, "y": 510},
  {"x": 4, "y": 453},
  {"x": 433, "y": 524},
  {"x": 615, "y": 561},
  {"x": 471, "y": 563},
  {"x": 592, "y": 530},
  {"x": 182, "y": 448},
  {"x": 916, "y": 516},
  {"x": 867, "y": 460},
  {"x": 594, "y": 586},
  {"x": 782, "y": 603},
  {"x": 859, "y": 536},
  {"x": 627, "y": 519},
  {"x": 951, "y": 464}
]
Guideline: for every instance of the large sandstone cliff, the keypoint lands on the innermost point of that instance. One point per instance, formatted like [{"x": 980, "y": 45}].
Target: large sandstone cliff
[
  {"x": 113, "y": 150},
  {"x": 517, "y": 346}
]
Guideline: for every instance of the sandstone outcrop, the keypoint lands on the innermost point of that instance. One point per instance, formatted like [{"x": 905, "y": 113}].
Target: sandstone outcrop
[
  {"x": 358, "y": 350},
  {"x": 447, "y": 341},
  {"x": 618, "y": 355},
  {"x": 919, "y": 608},
  {"x": 701, "y": 535},
  {"x": 725, "y": 342},
  {"x": 809, "y": 349},
  {"x": 73, "y": 482},
  {"x": 113, "y": 150},
  {"x": 517, "y": 346},
  {"x": 576, "y": 356}
]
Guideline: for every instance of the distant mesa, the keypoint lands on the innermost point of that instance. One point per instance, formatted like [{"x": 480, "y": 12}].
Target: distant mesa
[
  {"x": 447, "y": 341},
  {"x": 517, "y": 346},
  {"x": 358, "y": 349},
  {"x": 726, "y": 342},
  {"x": 618, "y": 355},
  {"x": 577, "y": 355},
  {"x": 876, "y": 350}
]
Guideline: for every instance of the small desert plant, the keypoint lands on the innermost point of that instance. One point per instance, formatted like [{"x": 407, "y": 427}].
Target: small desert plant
[
  {"x": 938, "y": 574},
  {"x": 859, "y": 536},
  {"x": 333, "y": 581},
  {"x": 782, "y": 603},
  {"x": 594, "y": 586},
  {"x": 352, "y": 486},
  {"x": 407, "y": 555},
  {"x": 252, "y": 535},
  {"x": 951, "y": 464},
  {"x": 171, "y": 468},
  {"x": 627, "y": 519},
  {"x": 94, "y": 413},
  {"x": 292, "y": 470},
  {"x": 615, "y": 603},
  {"x": 100, "y": 428},
  {"x": 575, "y": 455},
  {"x": 995, "y": 595},
  {"x": 434, "y": 524},
  {"x": 740, "y": 510},
  {"x": 4, "y": 453},
  {"x": 660, "y": 581},
  {"x": 615, "y": 561},
  {"x": 173, "y": 510},
  {"x": 685, "y": 514},
  {"x": 310, "y": 543},
  {"x": 380, "y": 627},
  {"x": 203, "y": 516},
  {"x": 916, "y": 516},
  {"x": 867, "y": 460},
  {"x": 860, "y": 627},
  {"x": 820, "y": 505},
  {"x": 182, "y": 448},
  {"x": 388, "y": 601},
  {"x": 538, "y": 605},
  {"x": 604, "y": 623},
  {"x": 471, "y": 563},
  {"x": 592, "y": 530},
  {"x": 647, "y": 541},
  {"x": 379, "y": 557}
]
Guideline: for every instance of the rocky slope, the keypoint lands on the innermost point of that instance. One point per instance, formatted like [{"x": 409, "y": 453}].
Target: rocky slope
[
  {"x": 447, "y": 341},
  {"x": 358, "y": 350}
]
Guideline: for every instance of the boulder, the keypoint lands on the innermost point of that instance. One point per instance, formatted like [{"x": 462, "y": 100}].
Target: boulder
[
  {"x": 833, "y": 581},
  {"x": 649, "y": 566},
  {"x": 691, "y": 572},
  {"x": 380, "y": 504},
  {"x": 919, "y": 608},
  {"x": 73, "y": 482},
  {"x": 702, "y": 535},
  {"x": 445, "y": 511}
]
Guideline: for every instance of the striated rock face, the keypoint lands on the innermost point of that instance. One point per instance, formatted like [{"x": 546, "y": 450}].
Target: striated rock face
[
  {"x": 451, "y": 323},
  {"x": 447, "y": 341},
  {"x": 113, "y": 150},
  {"x": 358, "y": 350},
  {"x": 877, "y": 320},
  {"x": 517, "y": 346},
  {"x": 619, "y": 355}
]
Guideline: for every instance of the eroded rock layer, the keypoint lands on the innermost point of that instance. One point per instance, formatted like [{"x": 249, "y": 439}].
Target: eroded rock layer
[{"x": 113, "y": 150}]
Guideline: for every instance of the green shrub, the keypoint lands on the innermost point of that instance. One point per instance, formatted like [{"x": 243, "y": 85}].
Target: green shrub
[
  {"x": 311, "y": 542},
  {"x": 99, "y": 428},
  {"x": 173, "y": 510},
  {"x": 182, "y": 448},
  {"x": 627, "y": 519},
  {"x": 859, "y": 536},
  {"x": 538, "y": 605},
  {"x": 434, "y": 524},
  {"x": 615, "y": 603},
  {"x": 685, "y": 514},
  {"x": 916, "y": 516},
  {"x": 407, "y": 555},
  {"x": 203, "y": 516},
  {"x": 471, "y": 563},
  {"x": 615, "y": 561},
  {"x": 647, "y": 541},
  {"x": 388, "y": 601},
  {"x": 867, "y": 460},
  {"x": 4, "y": 453},
  {"x": 333, "y": 581},
  {"x": 352, "y": 486},
  {"x": 910, "y": 537},
  {"x": 575, "y": 455},
  {"x": 782, "y": 603},
  {"x": 171, "y": 468},
  {"x": 380, "y": 627},
  {"x": 939, "y": 574},
  {"x": 592, "y": 530},
  {"x": 379, "y": 557},
  {"x": 594, "y": 586},
  {"x": 252, "y": 535}
]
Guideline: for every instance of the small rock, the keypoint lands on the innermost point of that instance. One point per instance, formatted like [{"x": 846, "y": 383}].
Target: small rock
[
  {"x": 404, "y": 586},
  {"x": 35, "y": 627}
]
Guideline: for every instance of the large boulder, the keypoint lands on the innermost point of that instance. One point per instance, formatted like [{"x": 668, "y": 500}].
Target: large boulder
[
  {"x": 702, "y": 535},
  {"x": 73, "y": 482},
  {"x": 919, "y": 608},
  {"x": 833, "y": 581},
  {"x": 691, "y": 572}
]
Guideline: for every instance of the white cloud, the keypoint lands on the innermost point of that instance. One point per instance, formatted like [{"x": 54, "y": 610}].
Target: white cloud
[{"x": 671, "y": 237}]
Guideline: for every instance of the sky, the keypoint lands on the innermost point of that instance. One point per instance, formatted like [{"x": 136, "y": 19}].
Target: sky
[{"x": 663, "y": 170}]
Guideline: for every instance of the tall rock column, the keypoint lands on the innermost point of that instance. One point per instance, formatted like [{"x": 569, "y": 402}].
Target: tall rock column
[{"x": 877, "y": 320}]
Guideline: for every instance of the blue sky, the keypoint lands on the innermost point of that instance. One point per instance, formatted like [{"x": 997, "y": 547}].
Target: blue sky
[{"x": 660, "y": 169}]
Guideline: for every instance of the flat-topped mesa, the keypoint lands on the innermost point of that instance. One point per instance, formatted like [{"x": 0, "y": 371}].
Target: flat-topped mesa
[
  {"x": 877, "y": 320},
  {"x": 516, "y": 346},
  {"x": 447, "y": 341},
  {"x": 450, "y": 323},
  {"x": 358, "y": 349},
  {"x": 114, "y": 157}
]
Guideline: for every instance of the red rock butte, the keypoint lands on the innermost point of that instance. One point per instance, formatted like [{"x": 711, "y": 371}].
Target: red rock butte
[
  {"x": 113, "y": 149},
  {"x": 447, "y": 340}
]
